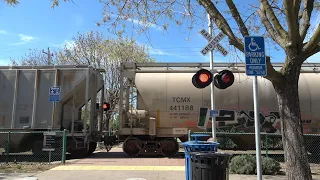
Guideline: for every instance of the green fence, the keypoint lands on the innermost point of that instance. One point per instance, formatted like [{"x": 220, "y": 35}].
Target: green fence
[
  {"x": 36, "y": 146},
  {"x": 271, "y": 144}
]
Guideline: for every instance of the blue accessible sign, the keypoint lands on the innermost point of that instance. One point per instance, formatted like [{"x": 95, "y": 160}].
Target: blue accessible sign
[
  {"x": 254, "y": 50},
  {"x": 54, "y": 94}
]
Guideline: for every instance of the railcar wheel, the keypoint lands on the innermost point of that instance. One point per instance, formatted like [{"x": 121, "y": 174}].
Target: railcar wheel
[
  {"x": 92, "y": 147},
  {"x": 131, "y": 147},
  {"x": 170, "y": 147}
]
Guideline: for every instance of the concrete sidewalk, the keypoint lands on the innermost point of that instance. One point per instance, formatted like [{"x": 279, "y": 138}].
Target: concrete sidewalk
[
  {"x": 18, "y": 176},
  {"x": 134, "y": 175},
  {"x": 85, "y": 174}
]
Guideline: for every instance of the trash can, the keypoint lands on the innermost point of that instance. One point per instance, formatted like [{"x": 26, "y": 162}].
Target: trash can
[
  {"x": 209, "y": 165},
  {"x": 197, "y": 146}
]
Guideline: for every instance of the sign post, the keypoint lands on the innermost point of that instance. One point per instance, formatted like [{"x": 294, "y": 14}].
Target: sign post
[
  {"x": 256, "y": 66},
  {"x": 213, "y": 43},
  {"x": 49, "y": 143}
]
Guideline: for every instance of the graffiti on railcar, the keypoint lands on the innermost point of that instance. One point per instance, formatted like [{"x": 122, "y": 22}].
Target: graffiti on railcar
[{"x": 243, "y": 121}]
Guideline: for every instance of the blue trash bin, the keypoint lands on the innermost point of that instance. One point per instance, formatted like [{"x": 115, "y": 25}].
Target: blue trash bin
[{"x": 197, "y": 146}]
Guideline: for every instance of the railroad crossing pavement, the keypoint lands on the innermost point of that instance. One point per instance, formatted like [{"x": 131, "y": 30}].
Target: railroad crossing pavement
[
  {"x": 135, "y": 173},
  {"x": 114, "y": 165}
]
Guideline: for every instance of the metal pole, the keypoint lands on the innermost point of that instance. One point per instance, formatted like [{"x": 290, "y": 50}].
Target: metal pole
[
  {"x": 64, "y": 146},
  {"x": 8, "y": 147},
  {"x": 257, "y": 127},
  {"x": 213, "y": 125}
]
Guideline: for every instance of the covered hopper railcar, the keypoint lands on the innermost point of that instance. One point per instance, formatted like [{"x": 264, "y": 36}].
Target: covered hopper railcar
[
  {"x": 25, "y": 106},
  {"x": 159, "y": 103}
]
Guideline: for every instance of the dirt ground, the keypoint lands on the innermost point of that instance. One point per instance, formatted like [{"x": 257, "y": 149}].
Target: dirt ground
[{"x": 25, "y": 168}]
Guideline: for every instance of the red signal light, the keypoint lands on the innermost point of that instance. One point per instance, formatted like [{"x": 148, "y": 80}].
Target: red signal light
[
  {"x": 106, "y": 106},
  {"x": 224, "y": 79},
  {"x": 202, "y": 78}
]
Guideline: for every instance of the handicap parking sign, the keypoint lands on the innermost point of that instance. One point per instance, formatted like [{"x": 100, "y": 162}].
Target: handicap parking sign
[{"x": 256, "y": 64}]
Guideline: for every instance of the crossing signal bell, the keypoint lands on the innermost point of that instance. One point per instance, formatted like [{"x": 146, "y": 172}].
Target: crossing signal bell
[{"x": 222, "y": 80}]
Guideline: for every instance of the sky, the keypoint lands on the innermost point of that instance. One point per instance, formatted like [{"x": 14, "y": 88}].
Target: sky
[{"x": 33, "y": 24}]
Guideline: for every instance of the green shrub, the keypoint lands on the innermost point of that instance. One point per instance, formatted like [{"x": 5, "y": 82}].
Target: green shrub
[
  {"x": 246, "y": 164},
  {"x": 226, "y": 143},
  {"x": 243, "y": 164},
  {"x": 270, "y": 166}
]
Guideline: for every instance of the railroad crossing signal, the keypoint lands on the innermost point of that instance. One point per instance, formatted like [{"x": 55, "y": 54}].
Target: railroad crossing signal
[
  {"x": 213, "y": 42},
  {"x": 204, "y": 78}
]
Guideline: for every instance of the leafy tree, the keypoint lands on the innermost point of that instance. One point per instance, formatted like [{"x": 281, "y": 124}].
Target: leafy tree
[
  {"x": 35, "y": 57},
  {"x": 94, "y": 49}
]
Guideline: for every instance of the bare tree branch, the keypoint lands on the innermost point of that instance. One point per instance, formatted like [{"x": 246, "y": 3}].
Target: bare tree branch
[
  {"x": 306, "y": 14},
  {"x": 314, "y": 41},
  {"x": 310, "y": 53},
  {"x": 273, "y": 75},
  {"x": 292, "y": 11},
  {"x": 272, "y": 32},
  {"x": 235, "y": 14},
  {"x": 274, "y": 19},
  {"x": 222, "y": 23}
]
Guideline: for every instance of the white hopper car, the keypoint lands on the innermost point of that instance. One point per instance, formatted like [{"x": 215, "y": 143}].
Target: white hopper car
[{"x": 167, "y": 105}]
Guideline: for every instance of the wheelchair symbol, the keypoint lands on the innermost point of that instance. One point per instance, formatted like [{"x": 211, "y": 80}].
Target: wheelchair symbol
[{"x": 253, "y": 46}]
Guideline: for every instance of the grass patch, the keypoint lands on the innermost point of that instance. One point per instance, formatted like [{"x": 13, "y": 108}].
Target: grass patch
[{"x": 25, "y": 168}]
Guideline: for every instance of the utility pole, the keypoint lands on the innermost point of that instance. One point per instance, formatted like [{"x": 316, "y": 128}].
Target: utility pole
[{"x": 49, "y": 55}]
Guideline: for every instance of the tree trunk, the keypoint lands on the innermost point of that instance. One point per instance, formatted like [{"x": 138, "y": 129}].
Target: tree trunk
[{"x": 295, "y": 154}]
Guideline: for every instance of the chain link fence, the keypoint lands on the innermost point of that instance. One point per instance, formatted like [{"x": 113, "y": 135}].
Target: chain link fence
[
  {"x": 36, "y": 146},
  {"x": 271, "y": 144}
]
